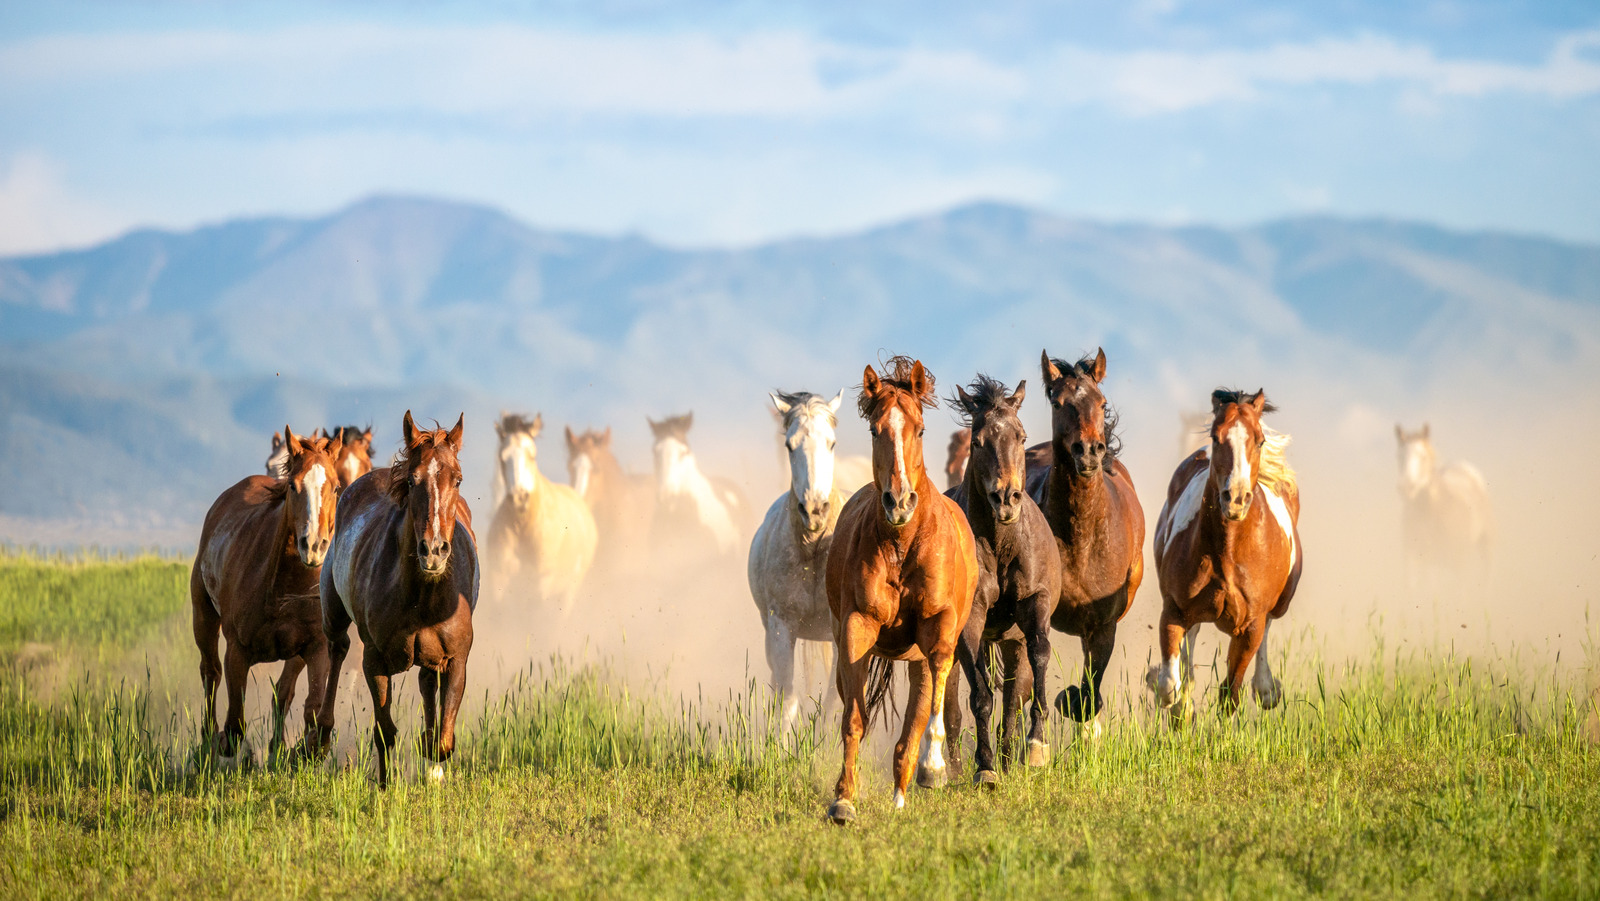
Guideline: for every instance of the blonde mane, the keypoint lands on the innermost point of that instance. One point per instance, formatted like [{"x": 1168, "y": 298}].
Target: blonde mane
[{"x": 1276, "y": 473}]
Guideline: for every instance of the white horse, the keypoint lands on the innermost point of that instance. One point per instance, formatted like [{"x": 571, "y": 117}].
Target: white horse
[
  {"x": 1446, "y": 518},
  {"x": 850, "y": 471},
  {"x": 789, "y": 555},
  {"x": 694, "y": 512},
  {"x": 539, "y": 525}
]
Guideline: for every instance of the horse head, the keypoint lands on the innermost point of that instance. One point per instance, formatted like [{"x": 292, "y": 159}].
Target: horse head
[
  {"x": 311, "y": 489},
  {"x": 809, "y": 423},
  {"x": 1417, "y": 460},
  {"x": 1236, "y": 440},
  {"x": 892, "y": 406},
  {"x": 278, "y": 458},
  {"x": 955, "y": 463},
  {"x": 426, "y": 481},
  {"x": 998, "y": 443},
  {"x": 355, "y": 460},
  {"x": 582, "y": 451},
  {"x": 673, "y": 458},
  {"x": 1079, "y": 413},
  {"x": 519, "y": 455}
]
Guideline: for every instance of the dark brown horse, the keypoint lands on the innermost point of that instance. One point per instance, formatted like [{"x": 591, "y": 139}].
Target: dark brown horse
[
  {"x": 355, "y": 455},
  {"x": 1019, "y": 579},
  {"x": 1227, "y": 552},
  {"x": 622, "y": 504},
  {"x": 901, "y": 574},
  {"x": 955, "y": 463},
  {"x": 254, "y": 581},
  {"x": 1088, "y": 498},
  {"x": 404, "y": 569}
]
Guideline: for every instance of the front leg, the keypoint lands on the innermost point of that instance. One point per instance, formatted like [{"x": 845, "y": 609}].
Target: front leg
[
  {"x": 973, "y": 654},
  {"x": 1017, "y": 682},
  {"x": 854, "y": 638},
  {"x": 780, "y": 661},
  {"x": 283, "y": 697},
  {"x": 1037, "y": 635},
  {"x": 236, "y": 670},
  {"x": 384, "y": 729},
  {"x": 1241, "y": 648}
]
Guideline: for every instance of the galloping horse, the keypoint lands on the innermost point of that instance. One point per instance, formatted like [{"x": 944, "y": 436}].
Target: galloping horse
[
  {"x": 622, "y": 504},
  {"x": 789, "y": 554},
  {"x": 404, "y": 569},
  {"x": 693, "y": 511},
  {"x": 901, "y": 576},
  {"x": 278, "y": 461},
  {"x": 355, "y": 456},
  {"x": 1222, "y": 558},
  {"x": 955, "y": 463},
  {"x": 1446, "y": 517},
  {"x": 849, "y": 471},
  {"x": 254, "y": 580},
  {"x": 539, "y": 524},
  {"x": 1088, "y": 498},
  {"x": 1019, "y": 580}
]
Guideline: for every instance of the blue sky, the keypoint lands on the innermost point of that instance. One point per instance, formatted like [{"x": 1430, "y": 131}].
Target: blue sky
[{"x": 699, "y": 123}]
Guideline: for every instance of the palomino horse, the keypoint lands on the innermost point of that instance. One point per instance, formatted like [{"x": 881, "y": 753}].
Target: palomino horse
[
  {"x": 1222, "y": 558},
  {"x": 693, "y": 511},
  {"x": 254, "y": 580},
  {"x": 622, "y": 503},
  {"x": 1087, "y": 496},
  {"x": 1019, "y": 580},
  {"x": 404, "y": 569},
  {"x": 955, "y": 462},
  {"x": 900, "y": 580},
  {"x": 355, "y": 456},
  {"x": 1446, "y": 518},
  {"x": 789, "y": 554},
  {"x": 539, "y": 525}
]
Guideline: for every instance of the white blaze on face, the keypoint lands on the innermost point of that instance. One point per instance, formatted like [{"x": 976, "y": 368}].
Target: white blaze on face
[
  {"x": 671, "y": 471},
  {"x": 1415, "y": 466},
  {"x": 312, "y": 484},
  {"x": 810, "y": 441},
  {"x": 582, "y": 469},
  {"x": 433, "y": 497},
  {"x": 897, "y": 426},
  {"x": 1238, "y": 483},
  {"x": 352, "y": 468},
  {"x": 518, "y": 464}
]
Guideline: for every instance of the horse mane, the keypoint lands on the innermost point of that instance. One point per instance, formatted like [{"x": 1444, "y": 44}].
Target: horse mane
[
  {"x": 1085, "y": 364},
  {"x": 799, "y": 400},
  {"x": 984, "y": 391},
  {"x": 349, "y": 434},
  {"x": 897, "y": 372},
  {"x": 516, "y": 422},
  {"x": 1276, "y": 473},
  {"x": 278, "y": 490}
]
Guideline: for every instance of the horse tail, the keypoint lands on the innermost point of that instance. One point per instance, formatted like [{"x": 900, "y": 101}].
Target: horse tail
[{"x": 880, "y": 673}]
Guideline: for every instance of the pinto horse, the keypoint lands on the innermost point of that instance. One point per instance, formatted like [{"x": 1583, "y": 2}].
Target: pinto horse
[
  {"x": 1088, "y": 498},
  {"x": 1223, "y": 558},
  {"x": 404, "y": 569},
  {"x": 539, "y": 527},
  {"x": 254, "y": 581},
  {"x": 1019, "y": 581},
  {"x": 901, "y": 575}
]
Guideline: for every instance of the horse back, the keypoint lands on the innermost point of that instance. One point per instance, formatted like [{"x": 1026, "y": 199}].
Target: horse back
[{"x": 239, "y": 541}]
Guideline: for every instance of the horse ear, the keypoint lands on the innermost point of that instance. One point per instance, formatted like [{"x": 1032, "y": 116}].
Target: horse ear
[
  {"x": 605, "y": 438},
  {"x": 1099, "y": 371},
  {"x": 1019, "y": 394},
  {"x": 335, "y": 445},
  {"x": 366, "y": 435},
  {"x": 964, "y": 399},
  {"x": 838, "y": 399},
  {"x": 655, "y": 427},
  {"x": 782, "y": 406},
  {"x": 408, "y": 430},
  {"x": 277, "y": 442},
  {"x": 538, "y": 425},
  {"x": 919, "y": 379},
  {"x": 455, "y": 434},
  {"x": 1425, "y": 431},
  {"x": 293, "y": 440},
  {"x": 572, "y": 442},
  {"x": 1047, "y": 368},
  {"x": 688, "y": 421},
  {"x": 1259, "y": 400},
  {"x": 869, "y": 381}
]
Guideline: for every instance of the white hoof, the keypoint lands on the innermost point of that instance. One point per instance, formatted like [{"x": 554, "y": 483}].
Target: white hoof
[
  {"x": 436, "y": 774},
  {"x": 1088, "y": 731},
  {"x": 1270, "y": 696},
  {"x": 932, "y": 777},
  {"x": 242, "y": 757},
  {"x": 899, "y": 799},
  {"x": 1039, "y": 752}
]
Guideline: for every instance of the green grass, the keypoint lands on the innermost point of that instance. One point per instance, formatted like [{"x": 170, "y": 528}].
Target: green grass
[
  {"x": 1408, "y": 776},
  {"x": 87, "y": 599}
]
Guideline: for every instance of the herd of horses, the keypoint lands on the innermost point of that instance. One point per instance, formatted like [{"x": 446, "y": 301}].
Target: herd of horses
[{"x": 865, "y": 558}]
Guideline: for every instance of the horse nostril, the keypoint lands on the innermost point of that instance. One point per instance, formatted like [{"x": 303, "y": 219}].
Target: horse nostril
[
  {"x": 888, "y": 500},
  {"x": 1077, "y": 448},
  {"x": 911, "y": 500}
]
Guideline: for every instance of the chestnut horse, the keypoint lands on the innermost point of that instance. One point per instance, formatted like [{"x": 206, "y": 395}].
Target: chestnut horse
[
  {"x": 1019, "y": 580},
  {"x": 541, "y": 531},
  {"x": 355, "y": 455},
  {"x": 622, "y": 503},
  {"x": 1223, "y": 558},
  {"x": 1088, "y": 498},
  {"x": 404, "y": 569},
  {"x": 955, "y": 463},
  {"x": 900, "y": 580},
  {"x": 254, "y": 581}
]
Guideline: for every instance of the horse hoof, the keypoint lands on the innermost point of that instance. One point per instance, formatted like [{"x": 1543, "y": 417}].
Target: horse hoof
[
  {"x": 1272, "y": 696},
  {"x": 1090, "y": 730},
  {"x": 436, "y": 774},
  {"x": 928, "y": 778},
  {"x": 842, "y": 812},
  {"x": 1061, "y": 704},
  {"x": 987, "y": 778},
  {"x": 1038, "y": 753}
]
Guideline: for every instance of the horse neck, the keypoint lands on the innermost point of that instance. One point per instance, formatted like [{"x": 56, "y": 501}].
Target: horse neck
[
  {"x": 979, "y": 514},
  {"x": 282, "y": 542},
  {"x": 1074, "y": 500}
]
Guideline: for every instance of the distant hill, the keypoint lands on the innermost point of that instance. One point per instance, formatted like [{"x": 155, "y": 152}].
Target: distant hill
[{"x": 142, "y": 375}]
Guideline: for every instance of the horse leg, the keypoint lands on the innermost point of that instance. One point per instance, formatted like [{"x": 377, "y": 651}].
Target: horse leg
[
  {"x": 780, "y": 660},
  {"x": 1037, "y": 636},
  {"x": 1018, "y": 684},
  {"x": 283, "y": 697},
  {"x": 1267, "y": 687},
  {"x": 451, "y": 693},
  {"x": 428, "y": 684},
  {"x": 855, "y": 637},
  {"x": 207, "y": 629},
  {"x": 384, "y": 729},
  {"x": 973, "y": 655},
  {"x": 952, "y": 719},
  {"x": 1082, "y": 702},
  {"x": 316, "y": 660},
  {"x": 236, "y": 669},
  {"x": 918, "y": 719},
  {"x": 938, "y": 637},
  {"x": 1240, "y": 649},
  {"x": 1172, "y": 677},
  {"x": 336, "y": 631}
]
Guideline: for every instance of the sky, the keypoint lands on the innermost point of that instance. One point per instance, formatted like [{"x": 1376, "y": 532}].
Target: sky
[{"x": 700, "y": 124}]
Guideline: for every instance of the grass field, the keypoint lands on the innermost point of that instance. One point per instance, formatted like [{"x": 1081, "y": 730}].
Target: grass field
[{"x": 1414, "y": 775}]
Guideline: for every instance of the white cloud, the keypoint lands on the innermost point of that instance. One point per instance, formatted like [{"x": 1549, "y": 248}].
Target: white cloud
[{"x": 37, "y": 213}]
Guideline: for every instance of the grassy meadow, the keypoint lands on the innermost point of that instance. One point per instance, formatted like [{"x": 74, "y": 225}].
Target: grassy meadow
[{"x": 1405, "y": 774}]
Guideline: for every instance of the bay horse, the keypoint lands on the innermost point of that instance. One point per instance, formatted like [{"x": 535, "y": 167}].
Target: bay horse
[
  {"x": 404, "y": 569},
  {"x": 622, "y": 503},
  {"x": 355, "y": 455},
  {"x": 1019, "y": 579},
  {"x": 254, "y": 582},
  {"x": 539, "y": 526},
  {"x": 901, "y": 575},
  {"x": 1223, "y": 558},
  {"x": 1445, "y": 515},
  {"x": 1088, "y": 498},
  {"x": 788, "y": 560},
  {"x": 955, "y": 463},
  {"x": 694, "y": 512}
]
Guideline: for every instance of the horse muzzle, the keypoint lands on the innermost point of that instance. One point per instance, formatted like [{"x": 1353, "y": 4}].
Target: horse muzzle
[
  {"x": 1236, "y": 506},
  {"x": 1006, "y": 504},
  {"x": 899, "y": 510},
  {"x": 311, "y": 553},
  {"x": 434, "y": 557},
  {"x": 813, "y": 513}
]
